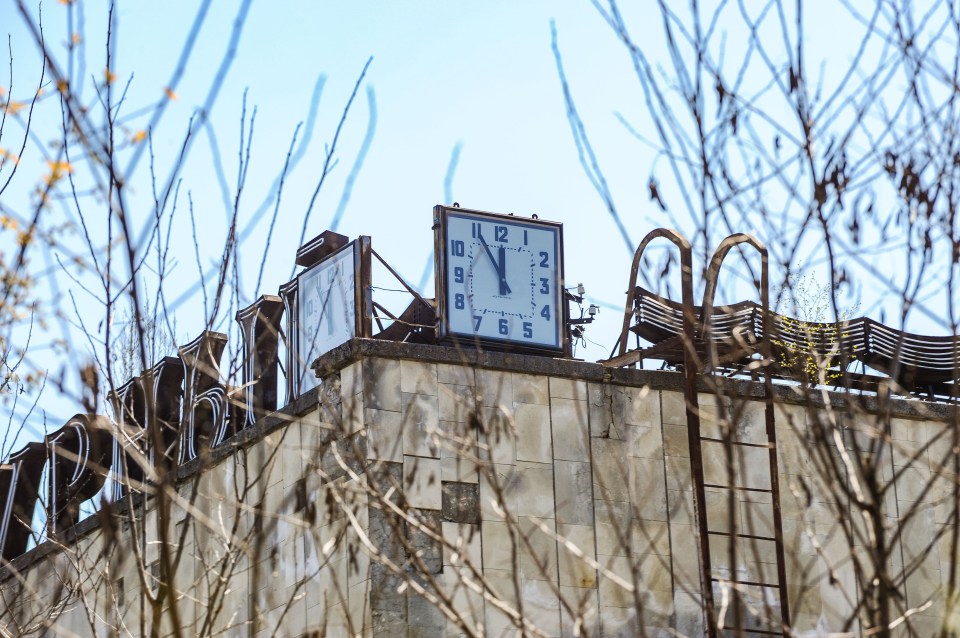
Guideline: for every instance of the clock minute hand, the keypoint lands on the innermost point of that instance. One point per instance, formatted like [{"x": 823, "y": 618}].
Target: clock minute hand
[
  {"x": 502, "y": 271},
  {"x": 493, "y": 261}
]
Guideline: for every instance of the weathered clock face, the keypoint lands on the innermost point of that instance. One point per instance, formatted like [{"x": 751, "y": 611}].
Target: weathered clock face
[
  {"x": 327, "y": 316},
  {"x": 503, "y": 279}
]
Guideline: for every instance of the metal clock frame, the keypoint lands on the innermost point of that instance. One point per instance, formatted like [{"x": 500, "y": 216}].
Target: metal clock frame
[
  {"x": 363, "y": 322},
  {"x": 441, "y": 246}
]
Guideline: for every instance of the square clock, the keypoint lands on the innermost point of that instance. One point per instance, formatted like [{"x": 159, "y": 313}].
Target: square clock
[{"x": 500, "y": 280}]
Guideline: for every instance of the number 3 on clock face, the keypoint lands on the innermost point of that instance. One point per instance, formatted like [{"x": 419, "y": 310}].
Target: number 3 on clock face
[{"x": 500, "y": 279}]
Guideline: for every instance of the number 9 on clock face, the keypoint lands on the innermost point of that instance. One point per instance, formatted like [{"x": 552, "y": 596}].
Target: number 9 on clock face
[{"x": 500, "y": 279}]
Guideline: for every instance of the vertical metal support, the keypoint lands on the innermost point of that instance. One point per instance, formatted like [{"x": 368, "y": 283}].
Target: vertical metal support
[
  {"x": 260, "y": 327},
  {"x": 363, "y": 287},
  {"x": 288, "y": 293}
]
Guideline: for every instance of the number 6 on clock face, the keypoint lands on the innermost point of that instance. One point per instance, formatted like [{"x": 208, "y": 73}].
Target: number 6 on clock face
[{"x": 500, "y": 280}]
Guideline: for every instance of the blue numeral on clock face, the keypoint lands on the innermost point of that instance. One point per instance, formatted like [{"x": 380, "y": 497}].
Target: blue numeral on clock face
[
  {"x": 544, "y": 257},
  {"x": 457, "y": 248},
  {"x": 545, "y": 285},
  {"x": 545, "y": 313},
  {"x": 458, "y": 301},
  {"x": 476, "y": 321},
  {"x": 458, "y": 275},
  {"x": 500, "y": 233},
  {"x": 527, "y": 330}
]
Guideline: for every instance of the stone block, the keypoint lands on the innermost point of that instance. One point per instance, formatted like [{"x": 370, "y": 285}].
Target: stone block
[
  {"x": 616, "y": 592},
  {"x": 673, "y": 406},
  {"x": 381, "y": 384},
  {"x": 461, "y": 502},
  {"x": 611, "y": 473},
  {"x": 455, "y": 374},
  {"x": 676, "y": 441},
  {"x": 384, "y": 435},
  {"x": 459, "y": 467},
  {"x": 573, "y": 482},
  {"x": 418, "y": 377},
  {"x": 497, "y": 436},
  {"x": 456, "y": 402},
  {"x": 498, "y": 491},
  {"x": 498, "y": 543},
  {"x": 421, "y": 482},
  {"x": 648, "y": 489},
  {"x": 613, "y": 529},
  {"x": 579, "y": 612},
  {"x": 420, "y": 422},
  {"x": 651, "y": 537},
  {"x": 468, "y": 606},
  {"x": 532, "y": 423},
  {"x": 563, "y": 388},
  {"x": 644, "y": 441},
  {"x": 351, "y": 379},
  {"x": 678, "y": 473},
  {"x": 423, "y": 526},
  {"x": 506, "y": 588},
  {"x": 541, "y": 605},
  {"x": 537, "y": 548},
  {"x": 529, "y": 388},
  {"x": 571, "y": 430},
  {"x": 495, "y": 388},
  {"x": 907, "y": 430},
  {"x": 685, "y": 554},
  {"x": 535, "y": 496},
  {"x": 462, "y": 545},
  {"x": 578, "y": 545},
  {"x": 600, "y": 408},
  {"x": 351, "y": 414},
  {"x": 638, "y": 406}
]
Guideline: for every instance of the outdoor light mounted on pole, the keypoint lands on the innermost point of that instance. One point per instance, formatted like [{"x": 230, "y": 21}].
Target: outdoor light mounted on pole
[{"x": 577, "y": 325}]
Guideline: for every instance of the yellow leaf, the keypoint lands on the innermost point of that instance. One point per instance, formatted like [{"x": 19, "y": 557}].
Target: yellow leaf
[
  {"x": 58, "y": 170},
  {"x": 139, "y": 136},
  {"x": 14, "y": 107},
  {"x": 75, "y": 38},
  {"x": 109, "y": 75},
  {"x": 8, "y": 223},
  {"x": 169, "y": 93},
  {"x": 65, "y": 2},
  {"x": 63, "y": 86}
]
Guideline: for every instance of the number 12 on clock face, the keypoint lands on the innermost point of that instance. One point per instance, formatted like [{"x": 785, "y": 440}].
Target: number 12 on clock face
[{"x": 502, "y": 279}]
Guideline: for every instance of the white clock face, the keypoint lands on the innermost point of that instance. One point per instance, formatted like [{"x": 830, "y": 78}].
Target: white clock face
[
  {"x": 327, "y": 310},
  {"x": 504, "y": 279}
]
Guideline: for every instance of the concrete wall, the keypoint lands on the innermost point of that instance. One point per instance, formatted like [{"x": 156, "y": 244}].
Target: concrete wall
[{"x": 421, "y": 495}]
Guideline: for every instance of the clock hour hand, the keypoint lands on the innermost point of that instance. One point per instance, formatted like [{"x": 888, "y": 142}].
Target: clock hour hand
[{"x": 502, "y": 271}]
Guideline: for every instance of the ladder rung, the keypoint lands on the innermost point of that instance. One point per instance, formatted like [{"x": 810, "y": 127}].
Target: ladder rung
[
  {"x": 712, "y": 439},
  {"x": 745, "y": 630},
  {"x": 748, "y": 583},
  {"x": 738, "y": 488},
  {"x": 753, "y": 536}
]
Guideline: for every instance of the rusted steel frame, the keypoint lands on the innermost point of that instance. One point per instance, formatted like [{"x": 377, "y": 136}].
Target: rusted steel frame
[
  {"x": 686, "y": 279},
  {"x": 712, "y": 274},
  {"x": 401, "y": 280}
]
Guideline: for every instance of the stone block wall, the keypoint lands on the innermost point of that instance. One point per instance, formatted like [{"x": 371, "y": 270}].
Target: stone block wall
[{"x": 425, "y": 496}]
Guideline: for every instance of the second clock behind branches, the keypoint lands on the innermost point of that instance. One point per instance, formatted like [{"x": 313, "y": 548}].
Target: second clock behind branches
[{"x": 500, "y": 281}]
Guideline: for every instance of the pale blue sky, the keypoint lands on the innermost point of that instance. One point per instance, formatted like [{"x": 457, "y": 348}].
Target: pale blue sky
[{"x": 478, "y": 75}]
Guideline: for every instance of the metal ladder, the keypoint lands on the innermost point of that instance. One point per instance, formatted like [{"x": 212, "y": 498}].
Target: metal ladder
[{"x": 729, "y": 606}]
